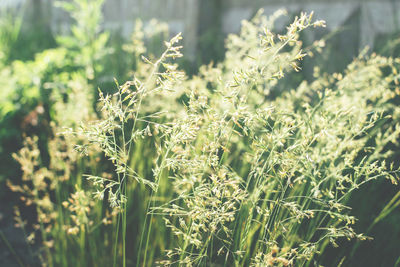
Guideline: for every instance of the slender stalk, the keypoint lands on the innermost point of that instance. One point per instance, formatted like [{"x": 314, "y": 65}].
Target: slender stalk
[{"x": 11, "y": 249}]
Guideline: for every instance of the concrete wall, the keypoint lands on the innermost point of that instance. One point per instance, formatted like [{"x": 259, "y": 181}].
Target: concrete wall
[
  {"x": 367, "y": 19},
  {"x": 374, "y": 17},
  {"x": 181, "y": 16}
]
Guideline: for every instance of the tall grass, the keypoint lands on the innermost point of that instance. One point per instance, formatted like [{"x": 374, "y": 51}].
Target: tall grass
[
  {"x": 215, "y": 169},
  {"x": 10, "y": 27}
]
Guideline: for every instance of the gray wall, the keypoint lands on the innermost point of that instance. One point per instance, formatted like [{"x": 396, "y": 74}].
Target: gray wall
[
  {"x": 364, "y": 20},
  {"x": 374, "y": 17}
]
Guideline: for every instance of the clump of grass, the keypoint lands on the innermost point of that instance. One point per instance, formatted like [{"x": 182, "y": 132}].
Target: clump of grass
[
  {"x": 254, "y": 181},
  {"x": 10, "y": 27},
  {"x": 226, "y": 174}
]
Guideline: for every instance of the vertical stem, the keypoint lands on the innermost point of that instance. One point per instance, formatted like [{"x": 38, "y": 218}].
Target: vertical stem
[
  {"x": 124, "y": 228},
  {"x": 151, "y": 204},
  {"x": 116, "y": 241}
]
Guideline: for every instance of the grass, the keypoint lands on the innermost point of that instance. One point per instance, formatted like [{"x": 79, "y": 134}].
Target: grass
[{"x": 220, "y": 168}]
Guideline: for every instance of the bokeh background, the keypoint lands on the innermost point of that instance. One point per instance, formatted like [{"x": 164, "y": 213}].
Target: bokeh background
[{"x": 205, "y": 23}]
